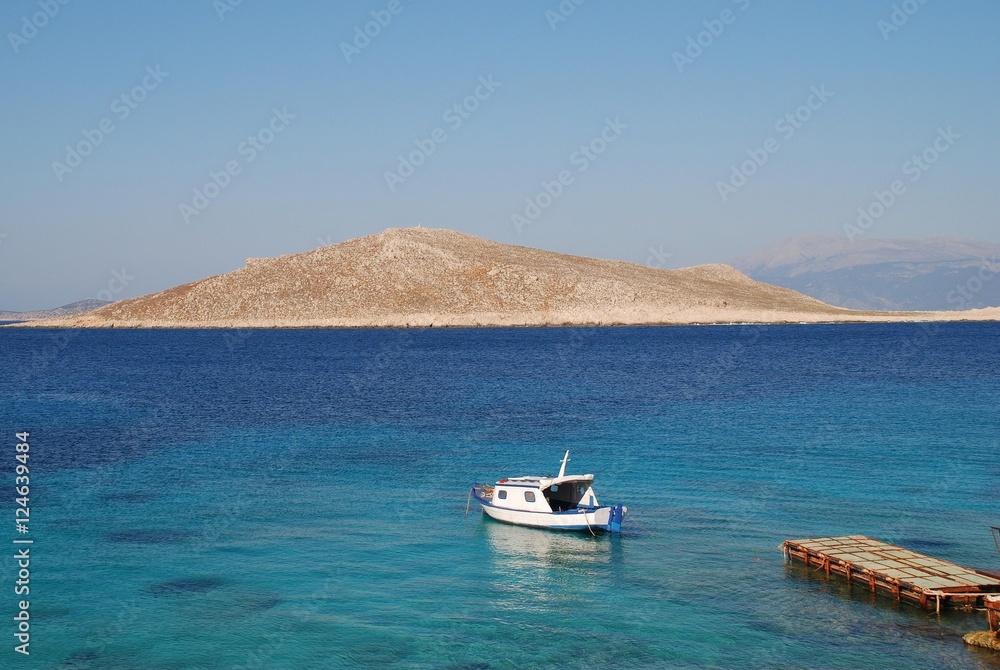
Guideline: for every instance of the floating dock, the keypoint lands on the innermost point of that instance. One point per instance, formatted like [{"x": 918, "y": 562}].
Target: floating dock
[{"x": 895, "y": 571}]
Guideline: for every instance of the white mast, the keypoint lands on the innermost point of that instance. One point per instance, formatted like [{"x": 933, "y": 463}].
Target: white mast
[{"x": 562, "y": 468}]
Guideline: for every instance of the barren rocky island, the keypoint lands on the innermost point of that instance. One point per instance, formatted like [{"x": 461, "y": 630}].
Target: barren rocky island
[{"x": 421, "y": 277}]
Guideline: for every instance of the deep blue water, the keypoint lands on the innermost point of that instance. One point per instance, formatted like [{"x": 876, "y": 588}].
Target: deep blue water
[{"x": 296, "y": 499}]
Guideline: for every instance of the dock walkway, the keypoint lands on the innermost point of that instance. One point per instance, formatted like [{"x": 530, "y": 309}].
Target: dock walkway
[{"x": 885, "y": 568}]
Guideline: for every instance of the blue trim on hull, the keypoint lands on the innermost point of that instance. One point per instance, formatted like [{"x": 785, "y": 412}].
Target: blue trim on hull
[
  {"x": 615, "y": 522},
  {"x": 572, "y": 529}
]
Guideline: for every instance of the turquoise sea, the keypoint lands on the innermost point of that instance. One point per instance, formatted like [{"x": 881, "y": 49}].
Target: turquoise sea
[{"x": 297, "y": 499}]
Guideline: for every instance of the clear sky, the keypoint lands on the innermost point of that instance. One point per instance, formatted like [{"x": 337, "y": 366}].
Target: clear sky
[{"x": 302, "y": 119}]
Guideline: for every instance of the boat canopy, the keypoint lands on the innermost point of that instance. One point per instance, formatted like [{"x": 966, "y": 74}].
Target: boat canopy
[
  {"x": 565, "y": 479},
  {"x": 546, "y": 482}
]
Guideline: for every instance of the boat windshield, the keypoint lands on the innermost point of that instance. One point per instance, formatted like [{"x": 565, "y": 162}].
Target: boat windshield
[{"x": 565, "y": 496}]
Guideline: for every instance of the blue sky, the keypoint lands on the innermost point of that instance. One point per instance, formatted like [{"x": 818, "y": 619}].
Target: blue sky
[{"x": 311, "y": 132}]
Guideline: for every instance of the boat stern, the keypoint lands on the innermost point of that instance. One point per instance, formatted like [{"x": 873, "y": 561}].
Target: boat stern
[{"x": 615, "y": 520}]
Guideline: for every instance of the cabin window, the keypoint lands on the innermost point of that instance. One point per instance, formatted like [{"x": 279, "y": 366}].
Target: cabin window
[
  {"x": 554, "y": 487},
  {"x": 529, "y": 496},
  {"x": 502, "y": 494}
]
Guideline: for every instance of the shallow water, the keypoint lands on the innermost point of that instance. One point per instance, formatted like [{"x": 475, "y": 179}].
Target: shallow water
[{"x": 296, "y": 499}]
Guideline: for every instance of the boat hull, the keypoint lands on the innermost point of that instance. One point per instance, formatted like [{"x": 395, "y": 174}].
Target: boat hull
[{"x": 592, "y": 519}]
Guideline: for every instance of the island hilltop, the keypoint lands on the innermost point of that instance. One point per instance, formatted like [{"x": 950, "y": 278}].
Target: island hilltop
[{"x": 419, "y": 277}]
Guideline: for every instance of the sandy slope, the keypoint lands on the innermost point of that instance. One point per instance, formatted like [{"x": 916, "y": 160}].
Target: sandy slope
[{"x": 425, "y": 277}]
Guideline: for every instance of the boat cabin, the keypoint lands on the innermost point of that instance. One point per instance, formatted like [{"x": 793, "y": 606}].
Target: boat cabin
[{"x": 546, "y": 494}]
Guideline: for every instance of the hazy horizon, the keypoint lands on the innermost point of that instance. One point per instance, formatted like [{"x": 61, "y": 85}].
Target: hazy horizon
[{"x": 164, "y": 144}]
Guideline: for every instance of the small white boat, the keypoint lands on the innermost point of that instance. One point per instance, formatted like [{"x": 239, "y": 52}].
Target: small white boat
[{"x": 563, "y": 502}]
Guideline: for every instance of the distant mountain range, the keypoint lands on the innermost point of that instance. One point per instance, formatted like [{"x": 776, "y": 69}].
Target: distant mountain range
[
  {"x": 71, "y": 309},
  {"x": 941, "y": 273}
]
